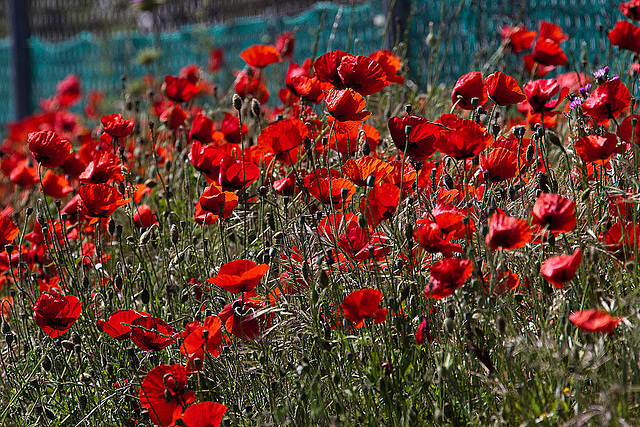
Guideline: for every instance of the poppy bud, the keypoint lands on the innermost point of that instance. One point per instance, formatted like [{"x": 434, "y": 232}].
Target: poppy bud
[
  {"x": 255, "y": 107},
  {"x": 366, "y": 148},
  {"x": 324, "y": 279},
  {"x": 371, "y": 180},
  {"x": 407, "y": 130},
  {"x": 398, "y": 265},
  {"x": 145, "y": 237},
  {"x": 344, "y": 193},
  {"x": 112, "y": 226},
  {"x": 175, "y": 234},
  {"x": 82, "y": 401},
  {"x": 408, "y": 231},
  {"x": 502, "y": 325},
  {"x": 237, "y": 102},
  {"x": 145, "y": 296},
  {"x": 543, "y": 182},
  {"x": 475, "y": 102},
  {"x": 495, "y": 130},
  {"x": 8, "y": 248},
  {"x": 449, "y": 326},
  {"x": 46, "y": 364},
  {"x": 408, "y": 108},
  {"x": 362, "y": 221},
  {"x": 585, "y": 195},
  {"x": 448, "y": 181}
]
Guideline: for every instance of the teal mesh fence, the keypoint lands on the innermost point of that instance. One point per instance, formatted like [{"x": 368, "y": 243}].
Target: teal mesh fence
[{"x": 474, "y": 34}]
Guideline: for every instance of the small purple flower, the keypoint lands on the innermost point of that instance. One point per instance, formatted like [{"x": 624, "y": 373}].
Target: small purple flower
[
  {"x": 576, "y": 102},
  {"x": 601, "y": 74},
  {"x": 584, "y": 90}
]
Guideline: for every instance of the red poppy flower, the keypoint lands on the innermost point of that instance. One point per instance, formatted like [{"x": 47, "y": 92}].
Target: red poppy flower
[
  {"x": 503, "y": 89},
  {"x": 554, "y": 212},
  {"x": 179, "y": 89},
  {"x": 422, "y": 137},
  {"x": 163, "y": 392},
  {"x": 360, "y": 169},
  {"x": 540, "y": 92},
  {"x": 364, "y": 304},
  {"x": 239, "y": 318},
  {"x": 144, "y": 216},
  {"x": 548, "y": 52},
  {"x": 465, "y": 140},
  {"x": 423, "y": 333},
  {"x": 196, "y": 340},
  {"x": 104, "y": 167},
  {"x": 281, "y": 137},
  {"x": 241, "y": 275},
  {"x": 260, "y": 55},
  {"x": 500, "y": 164},
  {"x": 623, "y": 240},
  {"x": 218, "y": 202},
  {"x": 23, "y": 175},
  {"x": 151, "y": 333},
  {"x": 236, "y": 174},
  {"x": 173, "y": 117},
  {"x": 8, "y": 232},
  {"x": 249, "y": 83},
  {"x": 100, "y": 200},
  {"x": 625, "y": 35},
  {"x": 359, "y": 244},
  {"x": 55, "y": 314},
  {"x": 390, "y": 65},
  {"x": 549, "y": 30},
  {"x": 608, "y": 101},
  {"x": 48, "y": 149},
  {"x": 117, "y": 126},
  {"x": 467, "y": 87},
  {"x": 346, "y": 105},
  {"x": 117, "y": 325},
  {"x": 202, "y": 128},
  {"x": 631, "y": 9},
  {"x": 381, "y": 203},
  {"x": 230, "y": 128},
  {"x": 361, "y": 74},
  {"x": 453, "y": 221},
  {"x": 627, "y": 132},
  {"x": 593, "y": 320},
  {"x": 330, "y": 190},
  {"x": 560, "y": 269},
  {"x": 206, "y": 159},
  {"x": 285, "y": 43},
  {"x": 594, "y": 148},
  {"x": 518, "y": 38},
  {"x": 204, "y": 414},
  {"x": 506, "y": 232},
  {"x": 431, "y": 239},
  {"x": 68, "y": 91},
  {"x": 55, "y": 186},
  {"x": 447, "y": 275},
  {"x": 216, "y": 59}
]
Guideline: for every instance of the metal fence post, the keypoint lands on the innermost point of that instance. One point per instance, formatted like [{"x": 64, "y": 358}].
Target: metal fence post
[{"x": 19, "y": 23}]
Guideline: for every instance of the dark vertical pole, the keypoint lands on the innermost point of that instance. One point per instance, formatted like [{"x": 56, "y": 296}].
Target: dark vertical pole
[
  {"x": 399, "y": 15},
  {"x": 19, "y": 23}
]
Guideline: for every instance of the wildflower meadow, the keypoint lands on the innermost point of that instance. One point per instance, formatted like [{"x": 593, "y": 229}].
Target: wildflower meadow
[{"x": 329, "y": 242}]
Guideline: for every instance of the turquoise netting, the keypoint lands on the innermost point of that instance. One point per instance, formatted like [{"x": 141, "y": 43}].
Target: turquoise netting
[{"x": 474, "y": 30}]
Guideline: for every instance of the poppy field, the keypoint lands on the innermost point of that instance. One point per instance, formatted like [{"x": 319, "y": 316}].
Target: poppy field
[{"x": 348, "y": 248}]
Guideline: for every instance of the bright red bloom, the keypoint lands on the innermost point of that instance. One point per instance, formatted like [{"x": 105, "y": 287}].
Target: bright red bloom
[
  {"x": 453, "y": 221},
  {"x": 8, "y": 232},
  {"x": 285, "y": 44},
  {"x": 117, "y": 126},
  {"x": 548, "y": 52},
  {"x": 506, "y": 232},
  {"x": 625, "y": 35},
  {"x": 390, "y": 65},
  {"x": 631, "y": 9},
  {"x": 204, "y": 414},
  {"x": 623, "y": 240},
  {"x": 239, "y": 318},
  {"x": 216, "y": 59},
  {"x": 195, "y": 341},
  {"x": 151, "y": 333},
  {"x": 23, "y": 175},
  {"x": 447, "y": 275},
  {"x": 549, "y": 30},
  {"x": 518, "y": 38},
  {"x": 218, "y": 202},
  {"x": 465, "y": 140},
  {"x": 68, "y": 91},
  {"x": 364, "y": 304},
  {"x": 594, "y": 148},
  {"x": 608, "y": 101},
  {"x": 540, "y": 92},
  {"x": 230, "y": 128},
  {"x": 206, "y": 159},
  {"x": 346, "y": 105},
  {"x": 55, "y": 314},
  {"x": 554, "y": 212},
  {"x": 179, "y": 89},
  {"x": 144, "y": 216},
  {"x": 381, "y": 203},
  {"x": 249, "y": 83},
  {"x": 103, "y": 168},
  {"x": 360, "y": 169},
  {"x": 163, "y": 393},
  {"x": 422, "y": 138},
  {"x": 260, "y": 55},
  {"x": 117, "y": 325},
  {"x": 202, "y": 128},
  {"x": 241, "y": 275},
  {"x": 48, "y": 149},
  {"x": 345, "y": 70},
  {"x": 593, "y": 320},
  {"x": 500, "y": 164},
  {"x": 431, "y": 238},
  {"x": 55, "y": 186},
  {"x": 173, "y": 117},
  {"x": 503, "y": 89},
  {"x": 100, "y": 200},
  {"x": 282, "y": 137},
  {"x": 467, "y": 87},
  {"x": 627, "y": 132},
  {"x": 560, "y": 269},
  {"x": 236, "y": 174},
  {"x": 330, "y": 190},
  {"x": 423, "y": 332}
]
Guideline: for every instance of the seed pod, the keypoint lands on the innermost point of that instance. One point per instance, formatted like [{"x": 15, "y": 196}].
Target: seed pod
[
  {"x": 112, "y": 226},
  {"x": 255, "y": 107},
  {"x": 174, "y": 234},
  {"x": 237, "y": 102},
  {"x": 531, "y": 151}
]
